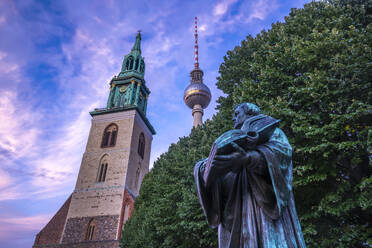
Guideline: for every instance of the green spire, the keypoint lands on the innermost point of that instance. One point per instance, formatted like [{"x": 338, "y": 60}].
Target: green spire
[
  {"x": 133, "y": 63},
  {"x": 137, "y": 44},
  {"x": 128, "y": 89}
]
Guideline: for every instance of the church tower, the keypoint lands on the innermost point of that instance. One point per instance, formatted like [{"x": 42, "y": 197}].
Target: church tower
[{"x": 114, "y": 163}]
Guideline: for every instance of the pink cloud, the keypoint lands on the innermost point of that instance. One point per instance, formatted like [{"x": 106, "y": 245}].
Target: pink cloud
[
  {"x": 5, "y": 179},
  {"x": 13, "y": 226},
  {"x": 17, "y": 137}
]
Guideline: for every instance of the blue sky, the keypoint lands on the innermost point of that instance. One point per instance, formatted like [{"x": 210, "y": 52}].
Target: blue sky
[{"x": 56, "y": 60}]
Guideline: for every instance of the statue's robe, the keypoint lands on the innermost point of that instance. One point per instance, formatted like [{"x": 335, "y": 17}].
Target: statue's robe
[{"x": 254, "y": 207}]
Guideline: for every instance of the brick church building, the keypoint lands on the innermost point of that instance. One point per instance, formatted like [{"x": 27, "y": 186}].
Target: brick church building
[{"x": 114, "y": 163}]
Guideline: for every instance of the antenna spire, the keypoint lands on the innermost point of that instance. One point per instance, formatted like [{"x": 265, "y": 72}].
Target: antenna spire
[{"x": 196, "y": 43}]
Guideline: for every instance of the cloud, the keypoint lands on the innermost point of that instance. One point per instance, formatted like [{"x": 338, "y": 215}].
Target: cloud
[
  {"x": 59, "y": 166},
  {"x": 5, "y": 179},
  {"x": 45, "y": 151},
  {"x": 17, "y": 134},
  {"x": 228, "y": 15},
  {"x": 8, "y": 69},
  {"x": 48, "y": 165},
  {"x": 2, "y": 55},
  {"x": 11, "y": 227},
  {"x": 12, "y": 193},
  {"x": 261, "y": 9},
  {"x": 222, "y": 7}
]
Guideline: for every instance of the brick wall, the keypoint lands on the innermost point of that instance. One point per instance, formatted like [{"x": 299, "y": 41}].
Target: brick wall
[
  {"x": 128, "y": 201},
  {"x": 76, "y": 228},
  {"x": 52, "y": 232},
  {"x": 85, "y": 244}
]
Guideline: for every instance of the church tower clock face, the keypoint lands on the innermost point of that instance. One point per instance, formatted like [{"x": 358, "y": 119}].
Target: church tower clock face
[
  {"x": 114, "y": 163},
  {"x": 123, "y": 88}
]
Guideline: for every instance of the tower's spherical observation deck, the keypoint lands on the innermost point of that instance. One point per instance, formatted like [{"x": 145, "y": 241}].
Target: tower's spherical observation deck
[{"x": 197, "y": 93}]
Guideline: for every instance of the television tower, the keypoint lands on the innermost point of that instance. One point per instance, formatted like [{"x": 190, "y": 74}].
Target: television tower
[{"x": 197, "y": 95}]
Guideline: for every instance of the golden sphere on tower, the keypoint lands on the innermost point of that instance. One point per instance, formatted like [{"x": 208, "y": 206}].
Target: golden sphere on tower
[{"x": 197, "y": 93}]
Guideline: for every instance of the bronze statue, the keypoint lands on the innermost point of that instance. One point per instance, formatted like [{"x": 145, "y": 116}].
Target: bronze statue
[{"x": 245, "y": 185}]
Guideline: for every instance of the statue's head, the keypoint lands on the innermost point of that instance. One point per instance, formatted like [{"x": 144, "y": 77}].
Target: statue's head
[{"x": 244, "y": 111}]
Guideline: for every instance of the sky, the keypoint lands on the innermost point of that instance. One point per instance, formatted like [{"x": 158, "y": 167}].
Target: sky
[{"x": 56, "y": 62}]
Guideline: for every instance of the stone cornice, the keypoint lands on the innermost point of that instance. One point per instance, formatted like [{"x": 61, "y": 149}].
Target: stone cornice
[{"x": 121, "y": 109}]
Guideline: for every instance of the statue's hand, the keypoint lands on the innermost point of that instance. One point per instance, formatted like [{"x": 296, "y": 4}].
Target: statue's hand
[
  {"x": 255, "y": 161},
  {"x": 236, "y": 161},
  {"x": 232, "y": 162}
]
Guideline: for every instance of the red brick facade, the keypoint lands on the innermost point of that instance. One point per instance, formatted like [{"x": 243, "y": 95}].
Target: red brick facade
[
  {"x": 128, "y": 200},
  {"x": 52, "y": 232}
]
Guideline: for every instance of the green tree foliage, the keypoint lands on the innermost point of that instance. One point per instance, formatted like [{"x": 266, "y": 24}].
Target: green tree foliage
[{"x": 312, "y": 72}]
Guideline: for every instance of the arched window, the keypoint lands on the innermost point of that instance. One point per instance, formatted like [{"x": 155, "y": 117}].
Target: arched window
[
  {"x": 143, "y": 67},
  {"x": 137, "y": 64},
  {"x": 130, "y": 63},
  {"x": 141, "y": 145},
  {"x": 109, "y": 136},
  {"x": 127, "y": 65},
  {"x": 138, "y": 173},
  {"x": 101, "y": 177},
  {"x": 102, "y": 169},
  {"x": 90, "y": 233}
]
